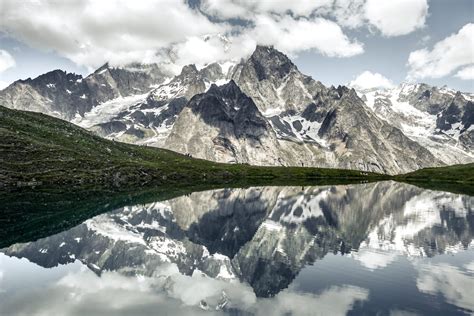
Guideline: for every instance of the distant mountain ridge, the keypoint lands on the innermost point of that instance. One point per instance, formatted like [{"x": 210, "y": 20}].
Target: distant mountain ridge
[
  {"x": 294, "y": 120},
  {"x": 440, "y": 119},
  {"x": 66, "y": 95}
]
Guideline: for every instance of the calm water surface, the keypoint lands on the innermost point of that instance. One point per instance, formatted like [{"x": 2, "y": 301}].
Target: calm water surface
[{"x": 382, "y": 248}]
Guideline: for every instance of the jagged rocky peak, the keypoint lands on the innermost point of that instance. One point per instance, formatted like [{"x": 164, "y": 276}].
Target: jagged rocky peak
[
  {"x": 67, "y": 95},
  {"x": 52, "y": 77},
  {"x": 327, "y": 101},
  {"x": 436, "y": 118},
  {"x": 457, "y": 119},
  {"x": 340, "y": 91},
  {"x": 188, "y": 70},
  {"x": 210, "y": 73},
  {"x": 228, "y": 100},
  {"x": 151, "y": 70},
  {"x": 55, "y": 93},
  {"x": 224, "y": 124},
  {"x": 126, "y": 80},
  {"x": 361, "y": 141},
  {"x": 424, "y": 97},
  {"x": 149, "y": 119},
  {"x": 189, "y": 82},
  {"x": 213, "y": 72},
  {"x": 102, "y": 69},
  {"x": 229, "y": 90},
  {"x": 270, "y": 63},
  {"x": 274, "y": 82}
]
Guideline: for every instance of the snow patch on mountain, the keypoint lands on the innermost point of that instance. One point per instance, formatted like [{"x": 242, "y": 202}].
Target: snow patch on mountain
[
  {"x": 104, "y": 112},
  {"x": 393, "y": 106},
  {"x": 169, "y": 91},
  {"x": 299, "y": 128}
]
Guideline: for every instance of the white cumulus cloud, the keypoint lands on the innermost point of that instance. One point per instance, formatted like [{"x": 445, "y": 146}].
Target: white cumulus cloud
[
  {"x": 374, "y": 259},
  {"x": 285, "y": 33},
  {"x": 118, "y": 31},
  {"x": 348, "y": 13},
  {"x": 466, "y": 73},
  {"x": 391, "y": 18},
  {"x": 370, "y": 80},
  {"x": 6, "y": 60},
  {"x": 246, "y": 9},
  {"x": 292, "y": 36},
  {"x": 447, "y": 55},
  {"x": 91, "y": 32},
  {"x": 451, "y": 282},
  {"x": 396, "y": 17}
]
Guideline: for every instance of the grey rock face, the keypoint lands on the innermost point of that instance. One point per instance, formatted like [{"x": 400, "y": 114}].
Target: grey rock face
[
  {"x": 66, "y": 95},
  {"x": 224, "y": 124},
  {"x": 55, "y": 93},
  {"x": 426, "y": 98},
  {"x": 302, "y": 110},
  {"x": 228, "y": 103},
  {"x": 149, "y": 120},
  {"x": 274, "y": 82},
  {"x": 458, "y": 118},
  {"x": 362, "y": 141}
]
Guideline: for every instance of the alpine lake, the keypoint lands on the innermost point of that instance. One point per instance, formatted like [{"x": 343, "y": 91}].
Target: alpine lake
[{"x": 378, "y": 248}]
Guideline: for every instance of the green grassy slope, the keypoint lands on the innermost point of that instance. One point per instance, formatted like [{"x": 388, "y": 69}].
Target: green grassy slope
[
  {"x": 40, "y": 150},
  {"x": 455, "y": 173},
  {"x": 456, "y": 178}
]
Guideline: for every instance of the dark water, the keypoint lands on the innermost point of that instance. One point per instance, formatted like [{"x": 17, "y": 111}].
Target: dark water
[{"x": 370, "y": 249}]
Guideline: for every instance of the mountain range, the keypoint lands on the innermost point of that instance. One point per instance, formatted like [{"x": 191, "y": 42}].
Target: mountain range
[{"x": 262, "y": 111}]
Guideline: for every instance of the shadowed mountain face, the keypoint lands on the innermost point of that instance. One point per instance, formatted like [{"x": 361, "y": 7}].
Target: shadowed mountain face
[
  {"x": 224, "y": 124},
  {"x": 263, "y": 236}
]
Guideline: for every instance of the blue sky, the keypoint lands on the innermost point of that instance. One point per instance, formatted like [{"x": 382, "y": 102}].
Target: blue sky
[{"x": 334, "y": 41}]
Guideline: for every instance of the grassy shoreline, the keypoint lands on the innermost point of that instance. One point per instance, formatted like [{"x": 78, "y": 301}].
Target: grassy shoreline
[{"x": 455, "y": 179}]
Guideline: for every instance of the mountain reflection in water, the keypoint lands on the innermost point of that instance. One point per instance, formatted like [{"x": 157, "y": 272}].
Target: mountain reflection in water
[{"x": 382, "y": 247}]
